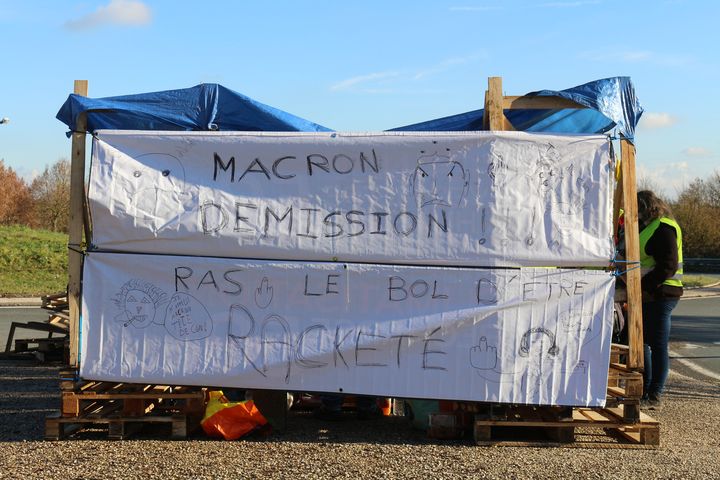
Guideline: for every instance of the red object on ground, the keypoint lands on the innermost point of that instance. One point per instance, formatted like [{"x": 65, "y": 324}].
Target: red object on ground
[{"x": 230, "y": 420}]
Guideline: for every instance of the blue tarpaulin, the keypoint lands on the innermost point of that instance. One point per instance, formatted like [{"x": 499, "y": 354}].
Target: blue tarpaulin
[
  {"x": 611, "y": 104},
  {"x": 203, "y": 107}
]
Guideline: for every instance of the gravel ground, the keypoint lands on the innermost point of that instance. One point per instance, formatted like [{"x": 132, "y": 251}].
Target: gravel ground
[{"x": 379, "y": 448}]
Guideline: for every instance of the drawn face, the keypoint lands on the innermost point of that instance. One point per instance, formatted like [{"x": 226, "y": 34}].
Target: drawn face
[
  {"x": 439, "y": 181},
  {"x": 153, "y": 185},
  {"x": 137, "y": 302},
  {"x": 538, "y": 342},
  {"x": 158, "y": 171},
  {"x": 140, "y": 308}
]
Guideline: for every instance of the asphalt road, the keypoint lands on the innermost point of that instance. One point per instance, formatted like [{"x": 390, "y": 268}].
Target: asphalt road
[
  {"x": 695, "y": 338},
  {"x": 23, "y": 315}
]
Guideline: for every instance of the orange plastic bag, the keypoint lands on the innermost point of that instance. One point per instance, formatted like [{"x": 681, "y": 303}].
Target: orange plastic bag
[{"x": 230, "y": 420}]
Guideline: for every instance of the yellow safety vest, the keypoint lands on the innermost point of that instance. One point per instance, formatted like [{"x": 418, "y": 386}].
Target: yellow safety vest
[{"x": 647, "y": 262}]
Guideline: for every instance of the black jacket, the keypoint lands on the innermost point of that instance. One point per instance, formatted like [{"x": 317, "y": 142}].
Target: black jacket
[{"x": 662, "y": 246}]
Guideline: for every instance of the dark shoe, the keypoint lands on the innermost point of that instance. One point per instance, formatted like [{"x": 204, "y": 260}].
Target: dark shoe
[
  {"x": 654, "y": 400},
  {"x": 323, "y": 413}
]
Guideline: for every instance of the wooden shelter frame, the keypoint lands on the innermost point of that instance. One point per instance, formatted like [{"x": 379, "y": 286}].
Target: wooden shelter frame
[
  {"x": 494, "y": 119},
  {"x": 625, "y": 195}
]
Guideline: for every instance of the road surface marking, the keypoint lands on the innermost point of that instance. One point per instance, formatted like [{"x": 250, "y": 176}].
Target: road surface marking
[{"x": 694, "y": 366}]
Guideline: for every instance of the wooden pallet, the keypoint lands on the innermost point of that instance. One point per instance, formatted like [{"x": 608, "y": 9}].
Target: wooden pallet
[
  {"x": 44, "y": 349},
  {"x": 56, "y": 301},
  {"x": 124, "y": 408},
  {"x": 625, "y": 385},
  {"x": 55, "y": 345},
  {"x": 58, "y": 427},
  {"x": 586, "y": 428}
]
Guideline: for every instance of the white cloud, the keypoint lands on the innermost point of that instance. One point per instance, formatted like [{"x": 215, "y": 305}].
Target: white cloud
[
  {"x": 569, "y": 4},
  {"x": 697, "y": 152},
  {"x": 634, "y": 56},
  {"x": 397, "y": 81},
  {"x": 354, "y": 82},
  {"x": 117, "y": 12},
  {"x": 653, "y": 120},
  {"x": 475, "y": 9},
  {"x": 444, "y": 66},
  {"x": 667, "y": 180}
]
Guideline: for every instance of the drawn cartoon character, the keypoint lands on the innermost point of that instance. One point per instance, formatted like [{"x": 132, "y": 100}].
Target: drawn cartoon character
[
  {"x": 154, "y": 185},
  {"x": 568, "y": 207},
  {"x": 540, "y": 356},
  {"x": 549, "y": 173},
  {"x": 439, "y": 180},
  {"x": 138, "y": 302},
  {"x": 563, "y": 194},
  {"x": 498, "y": 170},
  {"x": 526, "y": 342}
]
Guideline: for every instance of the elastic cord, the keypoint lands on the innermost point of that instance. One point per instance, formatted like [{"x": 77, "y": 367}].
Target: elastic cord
[{"x": 615, "y": 261}]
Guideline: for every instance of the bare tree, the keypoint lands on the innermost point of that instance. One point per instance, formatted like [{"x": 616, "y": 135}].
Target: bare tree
[
  {"x": 713, "y": 189},
  {"x": 51, "y": 192},
  {"x": 648, "y": 183},
  {"x": 697, "y": 210}
]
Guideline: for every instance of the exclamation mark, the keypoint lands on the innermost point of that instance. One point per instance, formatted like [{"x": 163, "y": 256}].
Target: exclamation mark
[{"x": 482, "y": 225}]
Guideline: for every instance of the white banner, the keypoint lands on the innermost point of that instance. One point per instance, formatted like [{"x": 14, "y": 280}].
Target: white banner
[
  {"x": 537, "y": 336},
  {"x": 463, "y": 199}
]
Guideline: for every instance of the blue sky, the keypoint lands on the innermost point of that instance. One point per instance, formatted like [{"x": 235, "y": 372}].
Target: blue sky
[{"x": 367, "y": 65}]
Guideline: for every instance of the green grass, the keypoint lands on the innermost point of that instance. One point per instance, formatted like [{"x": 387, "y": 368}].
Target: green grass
[
  {"x": 698, "y": 280},
  {"x": 32, "y": 262}
]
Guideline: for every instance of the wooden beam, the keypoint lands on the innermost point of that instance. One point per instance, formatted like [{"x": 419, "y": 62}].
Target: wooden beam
[
  {"x": 494, "y": 100},
  {"x": 539, "y": 103},
  {"x": 632, "y": 254},
  {"x": 76, "y": 225}
]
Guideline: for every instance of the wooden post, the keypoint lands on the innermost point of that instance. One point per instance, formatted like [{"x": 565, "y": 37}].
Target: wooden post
[
  {"x": 494, "y": 104},
  {"x": 75, "y": 226},
  {"x": 632, "y": 254}
]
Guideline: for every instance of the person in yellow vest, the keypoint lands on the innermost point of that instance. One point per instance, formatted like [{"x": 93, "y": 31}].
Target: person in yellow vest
[{"x": 662, "y": 268}]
